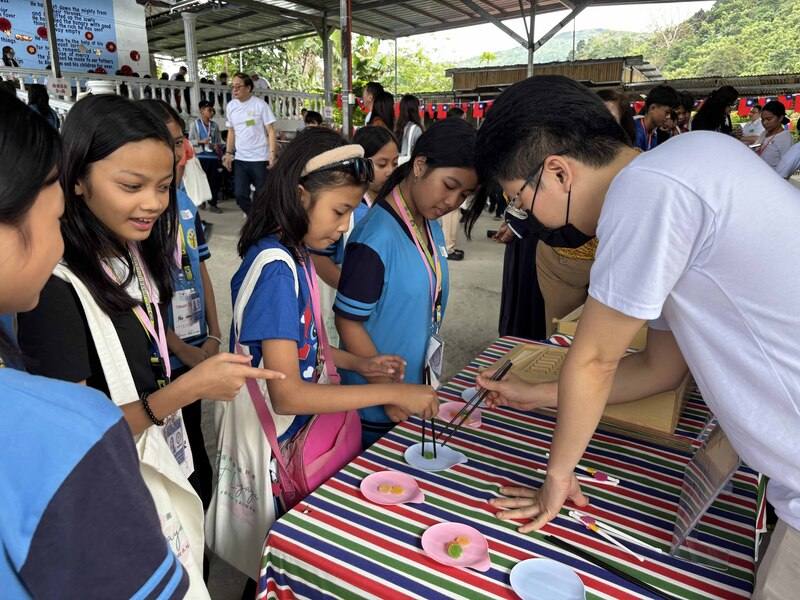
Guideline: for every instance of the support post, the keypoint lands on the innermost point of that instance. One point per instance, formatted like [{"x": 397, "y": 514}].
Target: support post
[
  {"x": 189, "y": 21},
  {"x": 345, "y": 25},
  {"x": 531, "y": 37},
  {"x": 327, "y": 67},
  {"x": 52, "y": 42},
  {"x": 395, "y": 67}
]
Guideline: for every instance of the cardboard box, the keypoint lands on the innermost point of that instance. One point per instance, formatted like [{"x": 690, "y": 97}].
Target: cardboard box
[
  {"x": 651, "y": 419},
  {"x": 568, "y": 324}
]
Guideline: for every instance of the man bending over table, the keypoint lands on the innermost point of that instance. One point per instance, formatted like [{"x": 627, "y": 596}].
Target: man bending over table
[{"x": 697, "y": 237}]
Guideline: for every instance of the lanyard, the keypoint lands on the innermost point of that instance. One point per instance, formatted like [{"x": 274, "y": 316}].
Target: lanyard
[
  {"x": 149, "y": 317},
  {"x": 648, "y": 135},
  {"x": 324, "y": 355},
  {"x": 182, "y": 256},
  {"x": 763, "y": 147},
  {"x": 431, "y": 262}
]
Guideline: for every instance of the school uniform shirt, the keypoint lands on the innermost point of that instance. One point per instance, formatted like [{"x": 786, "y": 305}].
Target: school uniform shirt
[
  {"x": 774, "y": 147},
  {"x": 248, "y": 120},
  {"x": 76, "y": 519},
  {"x": 645, "y": 140},
  {"x": 196, "y": 250},
  {"x": 790, "y": 162},
  {"x": 701, "y": 235},
  {"x": 56, "y": 340},
  {"x": 200, "y": 131},
  {"x": 385, "y": 285},
  {"x": 275, "y": 312},
  {"x": 752, "y": 128}
]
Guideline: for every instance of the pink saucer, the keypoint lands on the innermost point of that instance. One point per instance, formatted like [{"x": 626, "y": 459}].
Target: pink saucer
[
  {"x": 411, "y": 492},
  {"x": 476, "y": 553},
  {"x": 448, "y": 410}
]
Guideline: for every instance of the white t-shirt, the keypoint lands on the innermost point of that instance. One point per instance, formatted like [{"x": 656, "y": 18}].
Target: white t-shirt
[
  {"x": 702, "y": 235},
  {"x": 260, "y": 84},
  {"x": 248, "y": 120},
  {"x": 411, "y": 133},
  {"x": 790, "y": 162},
  {"x": 774, "y": 147},
  {"x": 752, "y": 128}
]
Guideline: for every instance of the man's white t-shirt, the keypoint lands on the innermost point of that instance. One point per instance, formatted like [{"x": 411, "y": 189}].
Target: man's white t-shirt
[
  {"x": 261, "y": 85},
  {"x": 248, "y": 120},
  {"x": 701, "y": 234}
]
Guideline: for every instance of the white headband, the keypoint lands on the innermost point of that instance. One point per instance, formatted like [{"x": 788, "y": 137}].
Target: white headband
[{"x": 331, "y": 157}]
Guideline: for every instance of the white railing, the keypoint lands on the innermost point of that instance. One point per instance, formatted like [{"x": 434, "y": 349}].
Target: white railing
[{"x": 285, "y": 104}]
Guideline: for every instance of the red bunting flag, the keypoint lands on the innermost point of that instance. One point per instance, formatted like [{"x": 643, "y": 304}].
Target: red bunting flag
[
  {"x": 422, "y": 110},
  {"x": 744, "y": 109},
  {"x": 797, "y": 103},
  {"x": 396, "y": 110},
  {"x": 786, "y": 101},
  {"x": 338, "y": 100},
  {"x": 638, "y": 106},
  {"x": 442, "y": 112},
  {"x": 477, "y": 109},
  {"x": 431, "y": 109},
  {"x": 465, "y": 107},
  {"x": 489, "y": 105},
  {"x": 762, "y": 101}
]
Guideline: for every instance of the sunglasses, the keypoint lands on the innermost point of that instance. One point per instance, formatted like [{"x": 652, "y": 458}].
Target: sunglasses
[{"x": 360, "y": 168}]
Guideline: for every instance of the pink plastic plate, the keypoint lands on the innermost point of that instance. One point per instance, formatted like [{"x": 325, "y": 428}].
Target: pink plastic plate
[
  {"x": 448, "y": 410},
  {"x": 411, "y": 492},
  {"x": 476, "y": 553}
]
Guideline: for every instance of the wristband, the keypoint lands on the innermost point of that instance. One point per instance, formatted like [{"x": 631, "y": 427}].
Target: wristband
[
  {"x": 215, "y": 338},
  {"x": 149, "y": 411}
]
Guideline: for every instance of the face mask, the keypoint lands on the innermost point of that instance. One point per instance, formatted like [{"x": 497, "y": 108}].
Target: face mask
[{"x": 566, "y": 236}]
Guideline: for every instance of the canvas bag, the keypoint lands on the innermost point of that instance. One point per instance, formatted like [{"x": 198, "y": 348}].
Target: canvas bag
[
  {"x": 196, "y": 182},
  {"x": 179, "y": 508},
  {"x": 243, "y": 509}
]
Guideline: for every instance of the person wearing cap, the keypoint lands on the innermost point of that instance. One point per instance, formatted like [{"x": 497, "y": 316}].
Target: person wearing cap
[
  {"x": 207, "y": 143},
  {"x": 775, "y": 140},
  {"x": 687, "y": 242}
]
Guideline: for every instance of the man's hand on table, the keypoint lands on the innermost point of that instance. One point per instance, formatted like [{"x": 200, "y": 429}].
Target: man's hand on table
[
  {"x": 542, "y": 505},
  {"x": 516, "y": 393}
]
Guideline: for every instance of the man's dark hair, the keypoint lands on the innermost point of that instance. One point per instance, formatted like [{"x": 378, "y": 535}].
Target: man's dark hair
[
  {"x": 204, "y": 104},
  {"x": 686, "y": 101},
  {"x": 455, "y": 112},
  {"x": 312, "y": 116},
  {"x": 663, "y": 95},
  {"x": 524, "y": 126},
  {"x": 248, "y": 82},
  {"x": 374, "y": 88}
]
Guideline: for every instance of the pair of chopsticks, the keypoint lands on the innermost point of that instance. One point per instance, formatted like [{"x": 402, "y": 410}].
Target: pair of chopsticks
[
  {"x": 603, "y": 564},
  {"x": 433, "y": 436},
  {"x": 468, "y": 408},
  {"x": 611, "y": 533},
  {"x": 427, "y": 380}
]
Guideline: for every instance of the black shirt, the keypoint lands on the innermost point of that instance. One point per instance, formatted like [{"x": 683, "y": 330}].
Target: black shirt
[{"x": 56, "y": 341}]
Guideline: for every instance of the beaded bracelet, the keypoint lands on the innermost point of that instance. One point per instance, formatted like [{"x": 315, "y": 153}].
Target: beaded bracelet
[{"x": 149, "y": 411}]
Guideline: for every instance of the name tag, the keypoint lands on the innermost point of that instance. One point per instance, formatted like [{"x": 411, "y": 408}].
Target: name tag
[
  {"x": 186, "y": 309},
  {"x": 250, "y": 123},
  {"x": 178, "y": 442},
  {"x": 186, "y": 214},
  {"x": 443, "y": 251}
]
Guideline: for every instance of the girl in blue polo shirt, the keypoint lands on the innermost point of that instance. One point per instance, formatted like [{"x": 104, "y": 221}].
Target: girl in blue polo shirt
[{"x": 394, "y": 283}]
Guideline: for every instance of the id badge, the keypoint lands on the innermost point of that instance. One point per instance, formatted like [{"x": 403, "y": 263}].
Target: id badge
[
  {"x": 250, "y": 123},
  {"x": 178, "y": 442},
  {"x": 434, "y": 359},
  {"x": 186, "y": 310}
]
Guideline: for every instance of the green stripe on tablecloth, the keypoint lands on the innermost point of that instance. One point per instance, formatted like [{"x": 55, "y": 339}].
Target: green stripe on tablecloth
[
  {"x": 387, "y": 560},
  {"x": 310, "y": 578}
]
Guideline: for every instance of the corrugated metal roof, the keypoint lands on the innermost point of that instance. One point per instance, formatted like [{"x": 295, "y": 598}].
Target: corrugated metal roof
[{"x": 229, "y": 24}]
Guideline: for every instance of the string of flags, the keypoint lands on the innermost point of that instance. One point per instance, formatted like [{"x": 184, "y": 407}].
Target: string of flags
[
  {"x": 790, "y": 101},
  {"x": 434, "y": 110}
]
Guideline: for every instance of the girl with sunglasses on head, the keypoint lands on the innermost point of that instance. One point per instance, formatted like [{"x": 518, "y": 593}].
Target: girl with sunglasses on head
[
  {"x": 382, "y": 150},
  {"x": 394, "y": 284},
  {"x": 306, "y": 204},
  {"x": 99, "y": 320},
  {"x": 69, "y": 467}
]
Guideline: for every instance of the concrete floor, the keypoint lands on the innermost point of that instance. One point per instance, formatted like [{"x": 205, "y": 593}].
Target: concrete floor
[{"x": 469, "y": 326}]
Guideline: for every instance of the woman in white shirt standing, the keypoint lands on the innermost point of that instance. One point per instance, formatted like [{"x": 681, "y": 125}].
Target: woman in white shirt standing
[
  {"x": 774, "y": 141},
  {"x": 409, "y": 126}
]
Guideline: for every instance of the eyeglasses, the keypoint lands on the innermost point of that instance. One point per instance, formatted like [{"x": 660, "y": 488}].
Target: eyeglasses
[
  {"x": 237, "y": 86},
  {"x": 360, "y": 168},
  {"x": 528, "y": 180}
]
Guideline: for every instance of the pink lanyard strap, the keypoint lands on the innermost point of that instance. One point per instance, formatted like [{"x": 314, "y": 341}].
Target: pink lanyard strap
[
  {"x": 156, "y": 331},
  {"x": 322, "y": 335},
  {"x": 763, "y": 147},
  {"x": 434, "y": 274}
]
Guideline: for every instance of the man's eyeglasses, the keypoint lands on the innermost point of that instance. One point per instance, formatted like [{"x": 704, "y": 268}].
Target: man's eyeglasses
[
  {"x": 529, "y": 180},
  {"x": 360, "y": 168}
]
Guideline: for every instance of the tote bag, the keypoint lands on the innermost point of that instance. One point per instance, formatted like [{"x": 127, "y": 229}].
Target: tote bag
[
  {"x": 178, "y": 506},
  {"x": 196, "y": 182}
]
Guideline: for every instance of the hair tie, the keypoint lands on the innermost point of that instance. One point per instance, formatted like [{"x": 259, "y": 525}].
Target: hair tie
[{"x": 331, "y": 157}]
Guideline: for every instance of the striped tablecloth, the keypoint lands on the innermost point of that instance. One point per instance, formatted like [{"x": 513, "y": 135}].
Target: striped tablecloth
[{"x": 336, "y": 544}]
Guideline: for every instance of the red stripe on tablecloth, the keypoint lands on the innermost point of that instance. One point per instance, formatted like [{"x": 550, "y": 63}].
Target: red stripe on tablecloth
[
  {"x": 371, "y": 586},
  {"x": 280, "y": 593}
]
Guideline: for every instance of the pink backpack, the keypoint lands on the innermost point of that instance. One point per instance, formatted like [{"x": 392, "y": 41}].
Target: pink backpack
[{"x": 327, "y": 442}]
